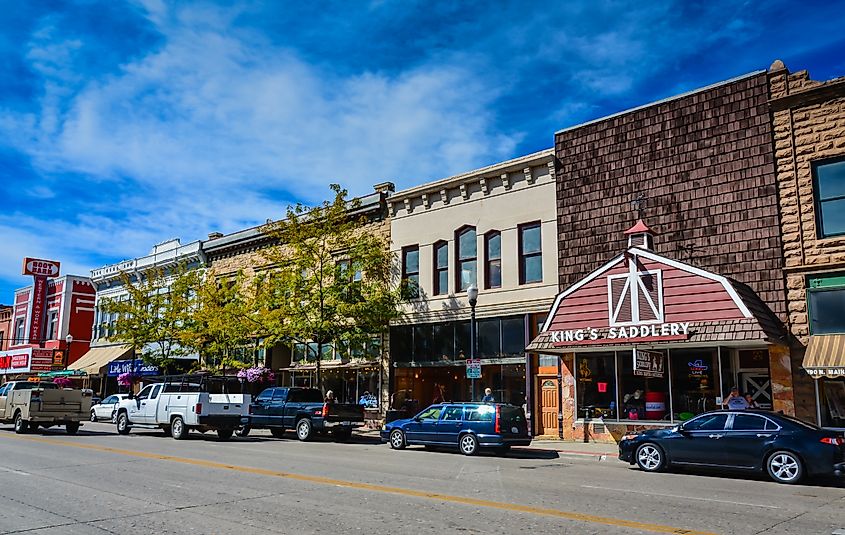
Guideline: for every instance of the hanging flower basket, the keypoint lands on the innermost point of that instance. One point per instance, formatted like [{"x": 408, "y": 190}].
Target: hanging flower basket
[
  {"x": 258, "y": 374},
  {"x": 62, "y": 382},
  {"x": 125, "y": 379}
]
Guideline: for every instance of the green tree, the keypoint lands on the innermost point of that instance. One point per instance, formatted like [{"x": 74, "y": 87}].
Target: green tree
[
  {"x": 332, "y": 278},
  {"x": 225, "y": 321},
  {"x": 152, "y": 316}
]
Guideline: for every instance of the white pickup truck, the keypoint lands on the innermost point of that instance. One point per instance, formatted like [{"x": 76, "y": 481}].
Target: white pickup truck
[{"x": 177, "y": 406}]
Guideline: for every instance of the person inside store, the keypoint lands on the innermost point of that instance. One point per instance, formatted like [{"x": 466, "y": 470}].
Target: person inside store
[
  {"x": 735, "y": 401},
  {"x": 488, "y": 396},
  {"x": 750, "y": 400},
  {"x": 438, "y": 394},
  {"x": 634, "y": 405}
]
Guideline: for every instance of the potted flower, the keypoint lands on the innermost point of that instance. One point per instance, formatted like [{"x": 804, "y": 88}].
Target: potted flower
[
  {"x": 62, "y": 382},
  {"x": 257, "y": 374}
]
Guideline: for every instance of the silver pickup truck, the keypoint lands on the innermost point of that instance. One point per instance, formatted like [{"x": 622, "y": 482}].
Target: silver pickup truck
[{"x": 28, "y": 405}]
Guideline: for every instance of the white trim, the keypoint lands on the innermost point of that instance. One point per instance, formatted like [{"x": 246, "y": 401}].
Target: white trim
[
  {"x": 589, "y": 278},
  {"x": 700, "y": 272}
]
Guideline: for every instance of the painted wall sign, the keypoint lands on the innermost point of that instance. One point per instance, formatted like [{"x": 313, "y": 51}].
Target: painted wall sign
[
  {"x": 41, "y": 360},
  {"x": 38, "y": 267},
  {"x": 15, "y": 361},
  {"x": 136, "y": 367},
  {"x": 649, "y": 363},
  {"x": 633, "y": 333}
]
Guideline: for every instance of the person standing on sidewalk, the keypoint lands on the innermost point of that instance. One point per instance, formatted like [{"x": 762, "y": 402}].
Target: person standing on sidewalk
[{"x": 488, "y": 396}]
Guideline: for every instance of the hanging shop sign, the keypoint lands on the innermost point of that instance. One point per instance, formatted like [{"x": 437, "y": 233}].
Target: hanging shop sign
[
  {"x": 649, "y": 363},
  {"x": 40, "y": 268},
  {"x": 633, "y": 333}
]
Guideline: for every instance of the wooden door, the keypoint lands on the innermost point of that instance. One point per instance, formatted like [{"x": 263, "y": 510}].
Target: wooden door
[{"x": 548, "y": 407}]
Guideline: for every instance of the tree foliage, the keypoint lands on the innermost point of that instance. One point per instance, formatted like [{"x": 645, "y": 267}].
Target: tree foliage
[
  {"x": 151, "y": 318},
  {"x": 331, "y": 280}
]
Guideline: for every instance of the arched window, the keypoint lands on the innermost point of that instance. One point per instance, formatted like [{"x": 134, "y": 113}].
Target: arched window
[
  {"x": 493, "y": 259},
  {"x": 441, "y": 268},
  {"x": 466, "y": 253}
]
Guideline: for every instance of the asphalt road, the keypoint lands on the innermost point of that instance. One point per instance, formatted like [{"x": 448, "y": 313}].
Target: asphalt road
[{"x": 99, "y": 482}]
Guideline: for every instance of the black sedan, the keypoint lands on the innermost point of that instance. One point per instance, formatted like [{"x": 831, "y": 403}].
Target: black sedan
[{"x": 753, "y": 440}]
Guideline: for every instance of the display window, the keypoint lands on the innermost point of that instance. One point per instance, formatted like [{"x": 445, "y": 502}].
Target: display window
[{"x": 596, "y": 385}]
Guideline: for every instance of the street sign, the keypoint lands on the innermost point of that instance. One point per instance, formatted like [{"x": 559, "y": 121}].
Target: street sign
[{"x": 473, "y": 368}]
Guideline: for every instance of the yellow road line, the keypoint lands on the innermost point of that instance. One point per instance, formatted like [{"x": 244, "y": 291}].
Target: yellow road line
[{"x": 567, "y": 515}]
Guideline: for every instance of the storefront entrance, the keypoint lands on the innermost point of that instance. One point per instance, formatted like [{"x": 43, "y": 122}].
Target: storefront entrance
[{"x": 547, "y": 424}]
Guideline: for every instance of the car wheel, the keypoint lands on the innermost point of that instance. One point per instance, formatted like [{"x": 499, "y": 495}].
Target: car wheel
[
  {"x": 178, "y": 429},
  {"x": 93, "y": 416},
  {"x": 650, "y": 457},
  {"x": 243, "y": 431},
  {"x": 72, "y": 428},
  {"x": 122, "y": 424},
  {"x": 468, "y": 444},
  {"x": 33, "y": 427},
  {"x": 303, "y": 430},
  {"x": 397, "y": 439},
  {"x": 225, "y": 434},
  {"x": 21, "y": 425},
  {"x": 277, "y": 432},
  {"x": 785, "y": 467}
]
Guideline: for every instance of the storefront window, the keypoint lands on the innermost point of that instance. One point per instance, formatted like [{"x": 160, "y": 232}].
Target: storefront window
[
  {"x": 695, "y": 381},
  {"x": 401, "y": 343},
  {"x": 488, "y": 338},
  {"x": 832, "y": 400},
  {"x": 462, "y": 340},
  {"x": 513, "y": 336},
  {"x": 444, "y": 341},
  {"x": 368, "y": 388},
  {"x": 596, "y": 385},
  {"x": 642, "y": 397},
  {"x": 422, "y": 342}
]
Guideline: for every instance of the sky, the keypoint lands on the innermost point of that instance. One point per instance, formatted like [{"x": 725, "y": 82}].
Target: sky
[{"x": 126, "y": 123}]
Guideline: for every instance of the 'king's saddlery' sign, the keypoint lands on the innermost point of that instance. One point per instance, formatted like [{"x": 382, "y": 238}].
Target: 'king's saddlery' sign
[{"x": 633, "y": 333}]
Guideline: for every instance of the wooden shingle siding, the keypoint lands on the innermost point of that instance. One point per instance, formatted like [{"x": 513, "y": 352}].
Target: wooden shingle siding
[{"x": 705, "y": 162}]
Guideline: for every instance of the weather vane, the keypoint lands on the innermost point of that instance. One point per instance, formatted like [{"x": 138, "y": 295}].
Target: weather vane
[{"x": 638, "y": 204}]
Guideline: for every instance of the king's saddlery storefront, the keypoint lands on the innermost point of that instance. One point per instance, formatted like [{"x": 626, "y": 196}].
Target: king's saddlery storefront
[{"x": 646, "y": 341}]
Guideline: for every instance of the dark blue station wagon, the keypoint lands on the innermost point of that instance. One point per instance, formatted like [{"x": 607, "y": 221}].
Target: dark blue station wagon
[{"x": 469, "y": 426}]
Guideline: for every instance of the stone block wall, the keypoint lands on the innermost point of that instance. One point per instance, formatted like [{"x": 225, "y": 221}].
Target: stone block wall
[{"x": 808, "y": 121}]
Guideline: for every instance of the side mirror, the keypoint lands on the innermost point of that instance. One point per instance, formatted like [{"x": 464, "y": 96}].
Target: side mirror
[{"x": 417, "y": 418}]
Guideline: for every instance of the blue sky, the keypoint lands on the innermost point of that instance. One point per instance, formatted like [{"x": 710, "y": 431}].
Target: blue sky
[{"x": 123, "y": 124}]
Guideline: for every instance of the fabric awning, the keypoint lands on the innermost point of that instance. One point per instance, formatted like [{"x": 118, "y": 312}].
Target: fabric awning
[
  {"x": 97, "y": 357},
  {"x": 825, "y": 356}
]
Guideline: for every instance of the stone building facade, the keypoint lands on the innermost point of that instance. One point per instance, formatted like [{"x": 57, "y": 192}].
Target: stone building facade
[{"x": 808, "y": 120}]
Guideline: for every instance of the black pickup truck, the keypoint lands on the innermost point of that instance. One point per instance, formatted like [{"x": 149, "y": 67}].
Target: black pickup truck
[{"x": 303, "y": 410}]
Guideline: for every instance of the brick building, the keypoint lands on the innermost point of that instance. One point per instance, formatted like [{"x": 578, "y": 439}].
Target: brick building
[
  {"x": 699, "y": 168},
  {"x": 5, "y": 326},
  {"x": 347, "y": 375},
  {"x": 809, "y": 143}
]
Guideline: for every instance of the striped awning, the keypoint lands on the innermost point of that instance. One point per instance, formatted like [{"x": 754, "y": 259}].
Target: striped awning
[{"x": 825, "y": 356}]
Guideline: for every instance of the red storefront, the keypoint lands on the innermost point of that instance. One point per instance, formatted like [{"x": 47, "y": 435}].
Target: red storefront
[{"x": 646, "y": 341}]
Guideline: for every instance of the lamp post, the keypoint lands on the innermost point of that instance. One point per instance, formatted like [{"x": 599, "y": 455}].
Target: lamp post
[
  {"x": 69, "y": 340},
  {"x": 472, "y": 294}
]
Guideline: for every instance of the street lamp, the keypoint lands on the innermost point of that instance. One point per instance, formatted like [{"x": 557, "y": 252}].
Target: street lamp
[
  {"x": 472, "y": 294},
  {"x": 69, "y": 340}
]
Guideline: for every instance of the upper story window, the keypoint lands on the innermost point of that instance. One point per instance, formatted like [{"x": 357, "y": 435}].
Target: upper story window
[
  {"x": 826, "y": 299},
  {"x": 441, "y": 268},
  {"x": 493, "y": 259},
  {"x": 52, "y": 325},
  {"x": 530, "y": 253},
  {"x": 411, "y": 268},
  {"x": 19, "y": 331},
  {"x": 466, "y": 252},
  {"x": 829, "y": 181}
]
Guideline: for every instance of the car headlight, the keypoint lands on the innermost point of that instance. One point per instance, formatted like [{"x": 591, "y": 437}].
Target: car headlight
[{"x": 630, "y": 436}]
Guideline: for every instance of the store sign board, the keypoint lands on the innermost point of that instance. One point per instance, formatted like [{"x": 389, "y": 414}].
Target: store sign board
[
  {"x": 136, "y": 367},
  {"x": 40, "y": 268},
  {"x": 473, "y": 368},
  {"x": 39, "y": 299},
  {"x": 634, "y": 333},
  {"x": 41, "y": 360},
  {"x": 649, "y": 363},
  {"x": 15, "y": 361}
]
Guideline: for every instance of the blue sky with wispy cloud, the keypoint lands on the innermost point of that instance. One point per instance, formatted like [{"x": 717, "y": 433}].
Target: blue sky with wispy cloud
[{"x": 123, "y": 124}]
